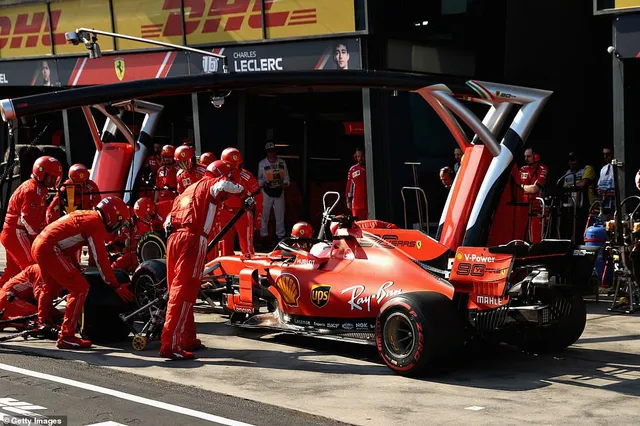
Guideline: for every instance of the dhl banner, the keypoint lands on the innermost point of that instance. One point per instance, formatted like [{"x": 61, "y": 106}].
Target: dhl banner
[
  {"x": 26, "y": 30},
  {"x": 114, "y": 68}
]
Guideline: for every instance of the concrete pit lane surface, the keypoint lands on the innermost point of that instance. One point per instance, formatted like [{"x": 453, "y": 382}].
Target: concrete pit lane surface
[{"x": 275, "y": 379}]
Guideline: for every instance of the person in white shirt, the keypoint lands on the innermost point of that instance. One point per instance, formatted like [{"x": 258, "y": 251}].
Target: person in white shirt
[
  {"x": 606, "y": 184},
  {"x": 273, "y": 177}
]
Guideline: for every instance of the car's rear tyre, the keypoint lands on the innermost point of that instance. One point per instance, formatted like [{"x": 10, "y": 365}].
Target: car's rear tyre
[
  {"x": 561, "y": 334},
  {"x": 149, "y": 282},
  {"x": 417, "y": 332}
]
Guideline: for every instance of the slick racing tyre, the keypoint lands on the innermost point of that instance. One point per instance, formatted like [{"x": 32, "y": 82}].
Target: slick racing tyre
[
  {"x": 149, "y": 282},
  {"x": 417, "y": 332},
  {"x": 152, "y": 245},
  {"x": 100, "y": 321}
]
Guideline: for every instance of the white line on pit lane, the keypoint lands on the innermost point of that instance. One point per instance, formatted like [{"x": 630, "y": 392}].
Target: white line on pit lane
[{"x": 122, "y": 395}]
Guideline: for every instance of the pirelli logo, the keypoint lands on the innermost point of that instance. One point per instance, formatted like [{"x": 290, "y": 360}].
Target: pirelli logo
[{"x": 213, "y": 16}]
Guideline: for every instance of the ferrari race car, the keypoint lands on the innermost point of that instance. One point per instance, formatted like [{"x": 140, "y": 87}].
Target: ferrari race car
[
  {"x": 417, "y": 298},
  {"x": 360, "y": 286}
]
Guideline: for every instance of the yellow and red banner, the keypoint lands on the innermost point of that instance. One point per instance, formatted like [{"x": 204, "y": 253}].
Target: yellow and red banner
[
  {"x": 25, "y": 30},
  {"x": 625, "y": 4}
]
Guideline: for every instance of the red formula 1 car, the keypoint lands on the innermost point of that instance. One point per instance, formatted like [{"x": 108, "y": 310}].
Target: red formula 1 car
[{"x": 416, "y": 298}]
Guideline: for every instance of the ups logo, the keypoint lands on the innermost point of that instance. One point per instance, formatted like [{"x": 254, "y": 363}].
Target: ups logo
[{"x": 320, "y": 294}]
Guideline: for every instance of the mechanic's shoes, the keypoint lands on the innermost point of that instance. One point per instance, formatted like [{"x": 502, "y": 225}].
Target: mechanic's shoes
[
  {"x": 192, "y": 345},
  {"x": 73, "y": 342},
  {"x": 176, "y": 354}
]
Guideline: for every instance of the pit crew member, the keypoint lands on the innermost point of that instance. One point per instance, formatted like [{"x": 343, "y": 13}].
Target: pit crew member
[
  {"x": 145, "y": 219},
  {"x": 85, "y": 193},
  {"x": 18, "y": 296},
  {"x": 189, "y": 171},
  {"x": 25, "y": 216},
  {"x": 54, "y": 250},
  {"x": 356, "y": 192},
  {"x": 166, "y": 181},
  {"x": 533, "y": 178},
  {"x": 246, "y": 224},
  {"x": 273, "y": 177},
  {"x": 190, "y": 224},
  {"x": 207, "y": 158}
]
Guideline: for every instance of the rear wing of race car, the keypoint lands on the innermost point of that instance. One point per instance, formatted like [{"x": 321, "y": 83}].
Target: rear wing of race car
[{"x": 564, "y": 264}]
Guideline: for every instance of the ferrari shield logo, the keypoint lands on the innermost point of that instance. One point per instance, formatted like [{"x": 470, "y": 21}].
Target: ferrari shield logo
[
  {"x": 418, "y": 244},
  {"x": 118, "y": 64},
  {"x": 320, "y": 294}
]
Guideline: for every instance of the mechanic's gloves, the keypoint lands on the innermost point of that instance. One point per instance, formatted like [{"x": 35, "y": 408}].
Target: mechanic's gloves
[
  {"x": 249, "y": 202},
  {"x": 124, "y": 293}
]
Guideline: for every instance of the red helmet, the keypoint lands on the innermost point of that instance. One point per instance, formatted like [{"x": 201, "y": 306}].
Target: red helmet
[
  {"x": 302, "y": 230},
  {"x": 218, "y": 168},
  {"x": 115, "y": 213},
  {"x": 47, "y": 170},
  {"x": 144, "y": 209},
  {"x": 184, "y": 156},
  {"x": 167, "y": 154},
  {"x": 207, "y": 158},
  {"x": 232, "y": 156},
  {"x": 78, "y": 173}
]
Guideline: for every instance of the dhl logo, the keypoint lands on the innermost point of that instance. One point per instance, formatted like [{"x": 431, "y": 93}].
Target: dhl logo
[
  {"x": 224, "y": 16},
  {"x": 30, "y": 29}
]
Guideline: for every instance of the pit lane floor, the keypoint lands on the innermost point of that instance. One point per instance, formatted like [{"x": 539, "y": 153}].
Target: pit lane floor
[{"x": 596, "y": 381}]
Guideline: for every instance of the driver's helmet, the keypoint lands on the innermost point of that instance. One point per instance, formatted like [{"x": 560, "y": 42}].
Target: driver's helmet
[{"x": 302, "y": 230}]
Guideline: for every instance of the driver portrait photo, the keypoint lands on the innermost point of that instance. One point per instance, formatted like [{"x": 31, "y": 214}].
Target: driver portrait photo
[
  {"x": 341, "y": 56},
  {"x": 42, "y": 75}
]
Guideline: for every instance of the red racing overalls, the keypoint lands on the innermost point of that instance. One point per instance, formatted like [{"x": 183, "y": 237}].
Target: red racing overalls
[
  {"x": 24, "y": 220},
  {"x": 192, "y": 221},
  {"x": 357, "y": 191},
  {"x": 54, "y": 250}
]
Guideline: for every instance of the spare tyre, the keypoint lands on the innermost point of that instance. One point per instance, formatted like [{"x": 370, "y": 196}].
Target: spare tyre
[
  {"x": 152, "y": 245},
  {"x": 100, "y": 321}
]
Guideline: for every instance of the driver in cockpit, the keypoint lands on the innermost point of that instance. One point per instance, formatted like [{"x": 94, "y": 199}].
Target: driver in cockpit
[{"x": 301, "y": 235}]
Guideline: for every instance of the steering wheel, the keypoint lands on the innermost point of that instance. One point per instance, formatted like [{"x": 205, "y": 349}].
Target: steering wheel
[{"x": 286, "y": 247}]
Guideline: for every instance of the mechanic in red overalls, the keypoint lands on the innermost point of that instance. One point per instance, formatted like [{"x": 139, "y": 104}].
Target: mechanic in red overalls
[
  {"x": 150, "y": 169},
  {"x": 166, "y": 181},
  {"x": 246, "y": 225},
  {"x": 85, "y": 193},
  {"x": 356, "y": 192},
  {"x": 189, "y": 171},
  {"x": 207, "y": 158},
  {"x": 146, "y": 219},
  {"x": 533, "y": 178},
  {"x": 54, "y": 251},
  {"x": 190, "y": 224},
  {"x": 19, "y": 295},
  {"x": 25, "y": 216}
]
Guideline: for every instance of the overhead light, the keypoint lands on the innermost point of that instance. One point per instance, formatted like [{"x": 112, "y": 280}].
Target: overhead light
[
  {"x": 325, "y": 159},
  {"x": 281, "y": 145}
]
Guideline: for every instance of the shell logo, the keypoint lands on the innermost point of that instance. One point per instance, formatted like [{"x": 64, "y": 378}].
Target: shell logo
[
  {"x": 459, "y": 256},
  {"x": 289, "y": 288}
]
